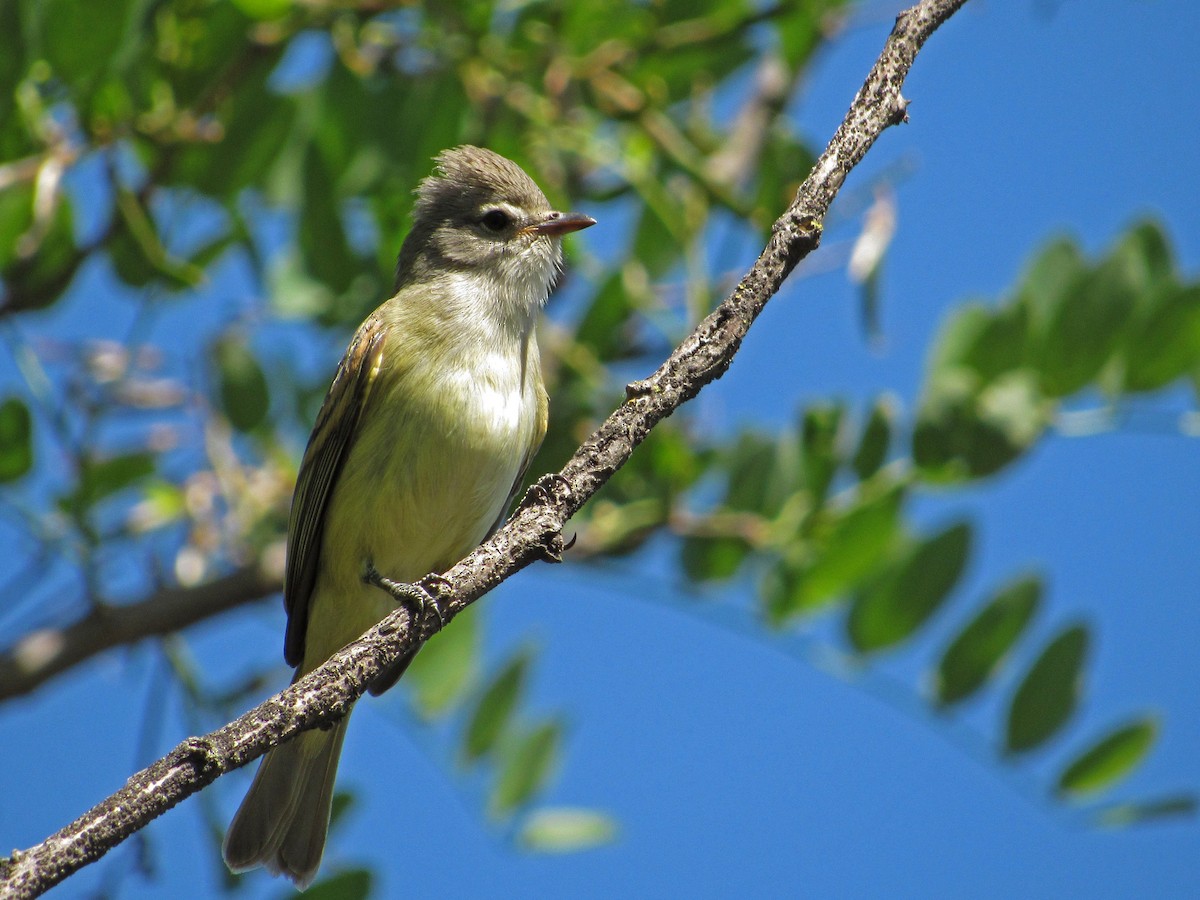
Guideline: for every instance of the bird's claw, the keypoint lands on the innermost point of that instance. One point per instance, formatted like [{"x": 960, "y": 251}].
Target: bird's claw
[
  {"x": 543, "y": 488},
  {"x": 420, "y": 601}
]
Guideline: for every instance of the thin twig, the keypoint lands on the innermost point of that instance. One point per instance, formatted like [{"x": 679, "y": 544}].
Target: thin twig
[{"x": 46, "y": 652}]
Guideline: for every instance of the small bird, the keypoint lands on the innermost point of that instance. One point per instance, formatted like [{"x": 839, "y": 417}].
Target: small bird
[{"x": 435, "y": 412}]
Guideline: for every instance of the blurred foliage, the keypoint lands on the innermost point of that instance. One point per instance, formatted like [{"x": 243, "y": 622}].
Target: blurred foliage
[{"x": 155, "y": 146}]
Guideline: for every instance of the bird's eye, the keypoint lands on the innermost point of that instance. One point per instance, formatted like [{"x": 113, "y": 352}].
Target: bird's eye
[{"x": 496, "y": 220}]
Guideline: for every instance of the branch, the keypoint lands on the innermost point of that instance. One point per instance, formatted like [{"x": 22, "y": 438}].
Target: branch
[
  {"x": 533, "y": 533},
  {"x": 42, "y": 654}
]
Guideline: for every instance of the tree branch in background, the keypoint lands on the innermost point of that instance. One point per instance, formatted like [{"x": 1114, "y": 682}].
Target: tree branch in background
[
  {"x": 533, "y": 533},
  {"x": 42, "y": 654}
]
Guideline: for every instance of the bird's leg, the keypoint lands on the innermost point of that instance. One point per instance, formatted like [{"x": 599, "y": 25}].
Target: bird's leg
[{"x": 419, "y": 601}]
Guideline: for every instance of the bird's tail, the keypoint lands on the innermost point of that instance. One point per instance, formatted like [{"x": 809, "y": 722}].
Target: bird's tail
[{"x": 282, "y": 822}]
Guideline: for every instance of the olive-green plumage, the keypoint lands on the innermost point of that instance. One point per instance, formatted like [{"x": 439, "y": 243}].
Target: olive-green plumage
[{"x": 434, "y": 414}]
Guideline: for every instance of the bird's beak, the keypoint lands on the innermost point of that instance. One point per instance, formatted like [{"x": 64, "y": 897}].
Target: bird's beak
[{"x": 556, "y": 223}]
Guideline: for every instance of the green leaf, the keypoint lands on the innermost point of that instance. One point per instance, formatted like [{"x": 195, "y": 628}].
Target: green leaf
[
  {"x": 16, "y": 215},
  {"x": 656, "y": 245},
  {"x": 1164, "y": 344},
  {"x": 353, "y": 884},
  {"x": 818, "y": 435},
  {"x": 759, "y": 477},
  {"x": 957, "y": 338},
  {"x": 846, "y": 546},
  {"x": 800, "y": 30},
  {"x": 40, "y": 267},
  {"x": 339, "y": 808},
  {"x": 527, "y": 764},
  {"x": 1149, "y": 254},
  {"x": 14, "y": 137},
  {"x": 1085, "y": 325},
  {"x": 1110, "y": 759},
  {"x": 81, "y": 39},
  {"x": 1141, "y": 812},
  {"x": 988, "y": 341},
  {"x": 495, "y": 708},
  {"x": 784, "y": 163},
  {"x": 264, "y": 9},
  {"x": 1049, "y": 279},
  {"x": 322, "y": 237},
  {"x": 899, "y": 603},
  {"x": 446, "y": 666},
  {"x": 604, "y": 327},
  {"x": 16, "y": 439},
  {"x": 977, "y": 653},
  {"x": 101, "y": 478},
  {"x": 1049, "y": 693},
  {"x": 674, "y": 463},
  {"x": 144, "y": 256},
  {"x": 1003, "y": 343},
  {"x": 876, "y": 438},
  {"x": 162, "y": 503},
  {"x": 128, "y": 261},
  {"x": 564, "y": 830},
  {"x": 715, "y": 558},
  {"x": 241, "y": 383},
  {"x": 257, "y": 132},
  {"x": 966, "y": 429}
]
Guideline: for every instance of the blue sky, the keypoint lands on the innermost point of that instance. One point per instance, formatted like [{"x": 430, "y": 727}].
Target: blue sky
[{"x": 734, "y": 768}]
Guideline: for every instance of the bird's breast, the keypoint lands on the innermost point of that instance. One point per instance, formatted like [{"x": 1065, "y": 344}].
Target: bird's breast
[{"x": 433, "y": 464}]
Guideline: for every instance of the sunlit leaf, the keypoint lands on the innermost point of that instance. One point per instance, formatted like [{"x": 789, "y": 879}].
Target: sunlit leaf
[
  {"x": 1164, "y": 342},
  {"x": 263, "y": 9},
  {"x": 1110, "y": 759},
  {"x": 564, "y": 830},
  {"x": 846, "y": 546},
  {"x": 968, "y": 429}
]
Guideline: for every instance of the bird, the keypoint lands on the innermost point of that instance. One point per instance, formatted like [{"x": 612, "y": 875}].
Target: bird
[{"x": 433, "y": 417}]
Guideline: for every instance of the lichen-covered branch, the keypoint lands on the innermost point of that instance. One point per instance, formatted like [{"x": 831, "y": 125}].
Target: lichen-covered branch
[{"x": 534, "y": 532}]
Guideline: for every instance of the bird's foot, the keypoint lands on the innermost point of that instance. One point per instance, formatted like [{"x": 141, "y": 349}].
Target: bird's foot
[
  {"x": 543, "y": 489},
  {"x": 421, "y": 602}
]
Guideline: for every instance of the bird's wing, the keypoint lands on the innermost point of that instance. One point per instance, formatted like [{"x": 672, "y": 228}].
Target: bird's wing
[{"x": 328, "y": 447}]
